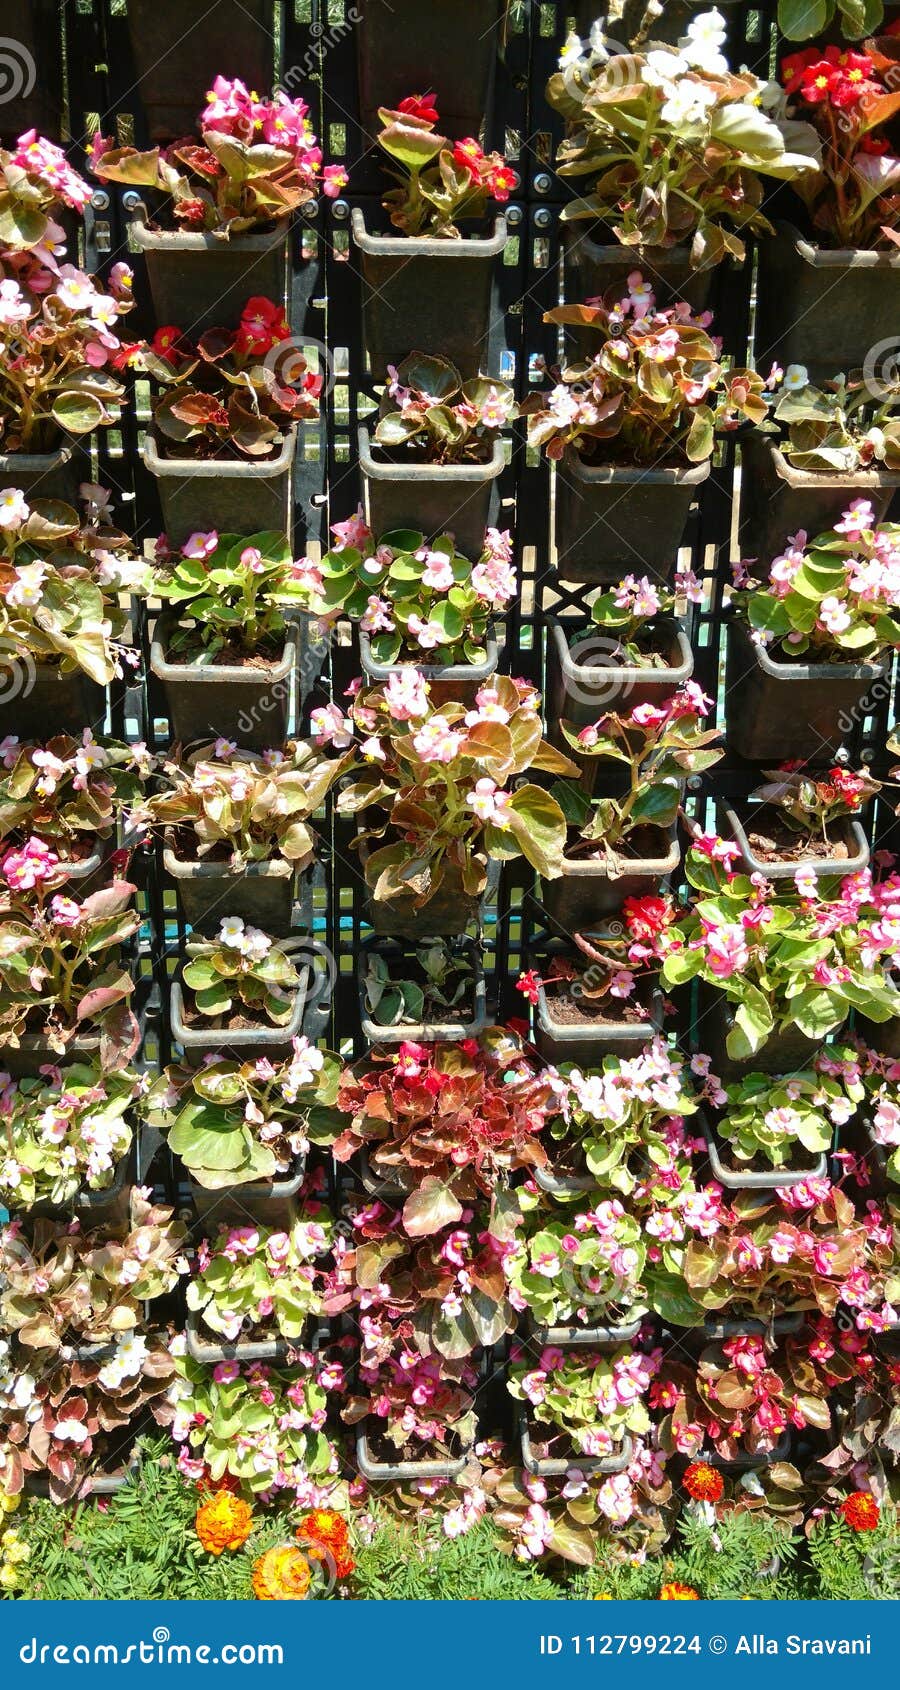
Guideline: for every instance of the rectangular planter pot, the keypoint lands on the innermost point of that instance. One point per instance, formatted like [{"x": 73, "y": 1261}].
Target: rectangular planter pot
[
  {"x": 99, "y": 1208},
  {"x": 47, "y": 475},
  {"x": 777, "y": 710},
  {"x": 549, "y": 1469},
  {"x": 612, "y": 520},
  {"x": 232, "y": 496},
  {"x": 585, "y": 890},
  {"x": 826, "y": 309},
  {"x": 37, "y": 699},
  {"x": 251, "y": 706},
  {"x": 243, "y": 1044},
  {"x": 592, "y": 267},
  {"x": 580, "y": 1337},
  {"x": 272, "y": 1203},
  {"x": 455, "y": 683},
  {"x": 449, "y": 913},
  {"x": 582, "y": 692},
  {"x": 731, "y": 827},
  {"x": 778, "y": 500},
  {"x": 455, "y": 499},
  {"x": 736, "y": 1178},
  {"x": 448, "y": 47},
  {"x": 33, "y": 80},
  {"x": 273, "y": 1350},
  {"x": 427, "y": 295},
  {"x": 178, "y": 44},
  {"x": 261, "y": 892},
  {"x": 558, "y": 1041},
  {"x": 391, "y": 1472},
  {"x": 425, "y": 1032},
  {"x": 203, "y": 280},
  {"x": 783, "y": 1052},
  {"x": 566, "y": 1185}
]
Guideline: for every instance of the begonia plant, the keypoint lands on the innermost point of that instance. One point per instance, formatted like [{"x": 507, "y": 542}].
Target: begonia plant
[{"x": 442, "y": 182}]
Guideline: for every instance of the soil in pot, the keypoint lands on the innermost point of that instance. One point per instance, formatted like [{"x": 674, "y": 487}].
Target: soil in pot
[
  {"x": 768, "y": 843},
  {"x": 572, "y": 1029},
  {"x": 612, "y": 519},
  {"x": 776, "y": 709}
]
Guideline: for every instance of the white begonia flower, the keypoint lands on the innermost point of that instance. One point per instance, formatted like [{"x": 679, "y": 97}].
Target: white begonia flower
[
  {"x": 796, "y": 377},
  {"x": 686, "y": 104},
  {"x": 572, "y": 52},
  {"x": 662, "y": 68},
  {"x": 702, "y": 44},
  {"x": 231, "y": 932},
  {"x": 71, "y": 1431}
]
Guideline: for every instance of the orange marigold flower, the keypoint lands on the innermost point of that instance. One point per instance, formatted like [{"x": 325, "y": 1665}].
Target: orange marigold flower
[
  {"x": 283, "y": 1574},
  {"x": 703, "y": 1483},
  {"x": 861, "y": 1511},
  {"x": 677, "y": 1592},
  {"x": 223, "y": 1522},
  {"x": 324, "y": 1527}
]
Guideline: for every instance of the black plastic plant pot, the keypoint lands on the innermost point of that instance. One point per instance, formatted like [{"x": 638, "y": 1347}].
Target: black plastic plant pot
[
  {"x": 274, "y": 1350},
  {"x": 551, "y": 1468},
  {"x": 593, "y": 267},
  {"x": 387, "y": 1472},
  {"x": 426, "y": 295},
  {"x": 882, "y": 1036},
  {"x": 786, "y": 1325},
  {"x": 233, "y": 496},
  {"x": 457, "y": 499},
  {"x": 824, "y": 309},
  {"x": 85, "y": 874},
  {"x": 448, "y": 48},
  {"x": 588, "y": 1042},
  {"x": 99, "y": 1484},
  {"x": 33, "y": 84},
  {"x": 47, "y": 475},
  {"x": 784, "y": 1052},
  {"x": 176, "y": 43},
  {"x": 244, "y": 1044},
  {"x": 737, "y": 1178},
  {"x": 39, "y": 698},
  {"x": 263, "y": 893},
  {"x": 847, "y": 830},
  {"x": 270, "y": 1202},
  {"x": 448, "y": 683},
  {"x": 421, "y": 1032},
  {"x": 801, "y": 710},
  {"x": 588, "y": 889},
  {"x": 564, "y": 1185},
  {"x": 612, "y": 520},
  {"x": 447, "y": 915},
  {"x": 778, "y": 500},
  {"x": 252, "y": 706},
  {"x": 200, "y": 281},
  {"x": 581, "y": 1337},
  {"x": 635, "y": 17},
  {"x": 385, "y": 1189},
  {"x": 584, "y": 682},
  {"x": 34, "y": 1052},
  {"x": 97, "y": 1208}
]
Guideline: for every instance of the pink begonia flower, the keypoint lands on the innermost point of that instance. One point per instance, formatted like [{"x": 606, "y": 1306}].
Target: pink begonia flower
[
  {"x": 200, "y": 545},
  {"x": 489, "y": 803},
  {"x": 65, "y": 912},
  {"x": 334, "y": 180},
  {"x": 406, "y": 695},
  {"x": 436, "y": 742},
  {"x": 354, "y": 532},
  {"x": 27, "y": 867},
  {"x": 377, "y": 618},
  {"x": 225, "y": 1372},
  {"x": 331, "y": 727},
  {"x": 427, "y": 634},
  {"x": 438, "y": 571}
]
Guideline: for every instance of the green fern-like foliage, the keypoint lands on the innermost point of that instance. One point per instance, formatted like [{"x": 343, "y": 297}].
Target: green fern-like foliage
[
  {"x": 415, "y": 1563},
  {"x": 851, "y": 1566},
  {"x": 740, "y": 1555}
]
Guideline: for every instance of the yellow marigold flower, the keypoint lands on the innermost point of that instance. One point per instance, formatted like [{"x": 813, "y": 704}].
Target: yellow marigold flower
[
  {"x": 282, "y": 1575},
  {"x": 9, "y": 1578},
  {"x": 677, "y": 1592},
  {"x": 224, "y": 1521},
  {"x": 603, "y": 1596},
  {"x": 8, "y": 1504}
]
